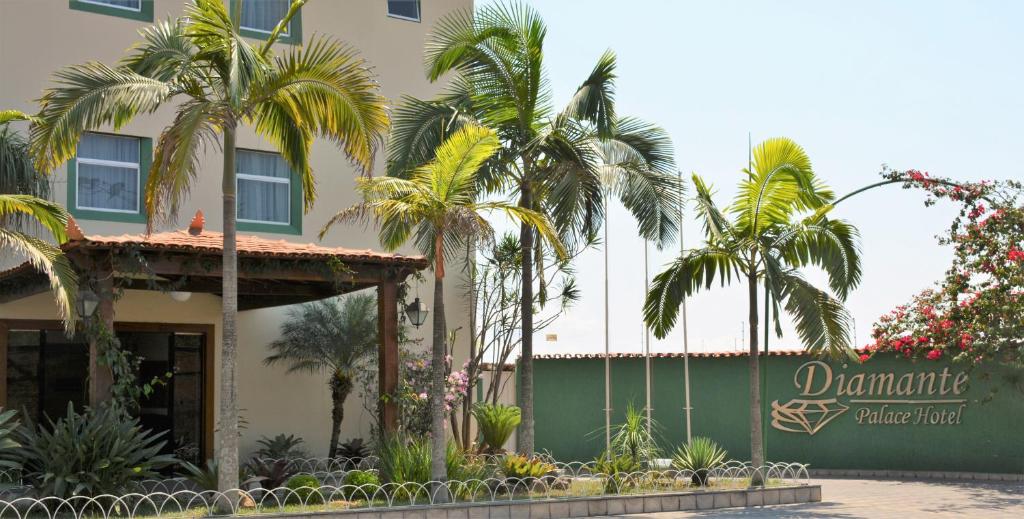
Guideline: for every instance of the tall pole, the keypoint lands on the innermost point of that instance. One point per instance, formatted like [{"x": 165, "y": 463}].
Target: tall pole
[
  {"x": 647, "y": 344},
  {"x": 607, "y": 353},
  {"x": 686, "y": 334}
]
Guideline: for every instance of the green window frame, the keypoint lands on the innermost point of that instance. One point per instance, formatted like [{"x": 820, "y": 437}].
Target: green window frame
[
  {"x": 145, "y": 162},
  {"x": 417, "y": 18},
  {"x": 144, "y": 14},
  {"x": 295, "y": 207},
  {"x": 294, "y": 36}
]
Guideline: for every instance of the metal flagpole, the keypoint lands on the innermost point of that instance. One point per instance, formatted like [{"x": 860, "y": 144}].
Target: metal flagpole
[
  {"x": 607, "y": 360},
  {"x": 647, "y": 344},
  {"x": 686, "y": 334}
]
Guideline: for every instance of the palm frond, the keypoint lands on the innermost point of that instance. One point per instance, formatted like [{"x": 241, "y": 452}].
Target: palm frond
[
  {"x": 419, "y": 127},
  {"x": 717, "y": 226},
  {"x": 697, "y": 269},
  {"x": 821, "y": 321},
  {"x": 176, "y": 162},
  {"x": 327, "y": 336},
  {"x": 89, "y": 96},
  {"x": 52, "y": 216},
  {"x": 832, "y": 245},
  {"x": 323, "y": 89},
  {"x": 594, "y": 100},
  {"x": 165, "y": 53},
  {"x": 17, "y": 173},
  {"x": 49, "y": 260}
]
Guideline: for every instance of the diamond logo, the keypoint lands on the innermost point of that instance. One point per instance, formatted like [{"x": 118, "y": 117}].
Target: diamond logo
[{"x": 805, "y": 416}]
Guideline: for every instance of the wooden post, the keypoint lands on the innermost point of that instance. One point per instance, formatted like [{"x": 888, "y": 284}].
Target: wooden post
[
  {"x": 100, "y": 377},
  {"x": 387, "y": 354}
]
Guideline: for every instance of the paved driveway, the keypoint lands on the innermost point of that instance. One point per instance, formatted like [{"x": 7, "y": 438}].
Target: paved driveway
[{"x": 843, "y": 498}]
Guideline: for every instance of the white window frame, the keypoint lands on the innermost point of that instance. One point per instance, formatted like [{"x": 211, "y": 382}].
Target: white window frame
[
  {"x": 263, "y": 178},
  {"x": 111, "y": 163},
  {"x": 113, "y": 6},
  {"x": 286, "y": 32},
  {"x": 419, "y": 13}
]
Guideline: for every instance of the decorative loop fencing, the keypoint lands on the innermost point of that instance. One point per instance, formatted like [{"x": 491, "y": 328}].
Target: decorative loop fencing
[{"x": 179, "y": 497}]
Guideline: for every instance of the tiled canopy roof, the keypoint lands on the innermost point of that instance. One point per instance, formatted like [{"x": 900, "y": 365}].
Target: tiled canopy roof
[{"x": 198, "y": 240}]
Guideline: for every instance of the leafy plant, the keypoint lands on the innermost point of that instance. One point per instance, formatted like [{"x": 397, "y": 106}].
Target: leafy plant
[
  {"x": 93, "y": 453},
  {"x": 205, "y": 477},
  {"x": 270, "y": 473},
  {"x": 281, "y": 447},
  {"x": 8, "y": 426},
  {"x": 404, "y": 459},
  {"x": 496, "y": 423},
  {"x": 353, "y": 451},
  {"x": 305, "y": 490},
  {"x": 517, "y": 466},
  {"x": 633, "y": 438},
  {"x": 618, "y": 468},
  {"x": 700, "y": 455}
]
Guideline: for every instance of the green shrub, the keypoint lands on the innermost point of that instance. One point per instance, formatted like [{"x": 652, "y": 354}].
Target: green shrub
[
  {"x": 618, "y": 468},
  {"x": 281, "y": 447},
  {"x": 305, "y": 489},
  {"x": 496, "y": 423},
  {"x": 404, "y": 459},
  {"x": 366, "y": 484},
  {"x": 517, "y": 466},
  {"x": 94, "y": 453},
  {"x": 700, "y": 455}
]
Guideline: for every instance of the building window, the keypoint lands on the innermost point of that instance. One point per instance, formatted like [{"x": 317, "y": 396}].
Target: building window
[
  {"x": 132, "y": 9},
  {"x": 404, "y": 9},
  {"x": 269, "y": 198},
  {"x": 107, "y": 176},
  {"x": 259, "y": 17}
]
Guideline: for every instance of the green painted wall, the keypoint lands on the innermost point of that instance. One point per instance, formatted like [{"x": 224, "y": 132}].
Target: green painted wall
[{"x": 990, "y": 437}]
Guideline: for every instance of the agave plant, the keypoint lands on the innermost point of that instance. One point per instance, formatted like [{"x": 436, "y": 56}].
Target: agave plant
[
  {"x": 517, "y": 466},
  {"x": 700, "y": 456},
  {"x": 97, "y": 452},
  {"x": 618, "y": 468},
  {"x": 496, "y": 422}
]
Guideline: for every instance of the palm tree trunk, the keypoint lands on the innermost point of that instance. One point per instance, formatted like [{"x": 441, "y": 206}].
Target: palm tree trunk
[
  {"x": 438, "y": 435},
  {"x": 525, "y": 436},
  {"x": 227, "y": 454},
  {"x": 340, "y": 388},
  {"x": 756, "y": 447}
]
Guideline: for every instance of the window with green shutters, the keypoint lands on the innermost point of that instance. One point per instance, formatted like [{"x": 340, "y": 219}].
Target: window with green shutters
[
  {"x": 107, "y": 177},
  {"x": 269, "y": 195}
]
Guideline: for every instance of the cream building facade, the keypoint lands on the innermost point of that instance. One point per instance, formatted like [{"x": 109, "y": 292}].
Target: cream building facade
[{"x": 102, "y": 190}]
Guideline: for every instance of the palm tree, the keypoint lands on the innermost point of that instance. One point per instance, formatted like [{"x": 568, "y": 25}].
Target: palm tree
[
  {"x": 22, "y": 198},
  {"x": 222, "y": 81},
  {"x": 559, "y": 163},
  {"x": 779, "y": 225},
  {"x": 333, "y": 338},
  {"x": 438, "y": 204}
]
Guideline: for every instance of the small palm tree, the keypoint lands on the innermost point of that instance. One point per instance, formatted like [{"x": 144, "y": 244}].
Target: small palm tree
[
  {"x": 560, "y": 162},
  {"x": 22, "y": 198},
  {"x": 218, "y": 81},
  {"x": 767, "y": 242},
  {"x": 337, "y": 338},
  {"x": 438, "y": 208}
]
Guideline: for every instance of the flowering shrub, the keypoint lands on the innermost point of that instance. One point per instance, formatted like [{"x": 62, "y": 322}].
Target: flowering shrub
[
  {"x": 414, "y": 386},
  {"x": 975, "y": 312}
]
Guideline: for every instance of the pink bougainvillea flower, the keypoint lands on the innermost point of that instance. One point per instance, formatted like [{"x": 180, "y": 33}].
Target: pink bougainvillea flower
[
  {"x": 864, "y": 357},
  {"x": 934, "y": 355}
]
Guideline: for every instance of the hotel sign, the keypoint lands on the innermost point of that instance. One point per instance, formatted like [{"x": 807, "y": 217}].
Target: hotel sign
[{"x": 931, "y": 397}]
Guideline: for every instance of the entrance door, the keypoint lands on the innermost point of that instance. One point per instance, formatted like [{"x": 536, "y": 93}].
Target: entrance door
[{"x": 45, "y": 372}]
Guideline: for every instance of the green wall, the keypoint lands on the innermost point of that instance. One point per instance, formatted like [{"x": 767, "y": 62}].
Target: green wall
[{"x": 989, "y": 437}]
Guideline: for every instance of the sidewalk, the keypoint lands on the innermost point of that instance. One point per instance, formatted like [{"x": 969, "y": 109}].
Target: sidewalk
[{"x": 880, "y": 498}]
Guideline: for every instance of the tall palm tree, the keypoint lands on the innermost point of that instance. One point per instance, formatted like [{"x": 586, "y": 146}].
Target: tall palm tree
[
  {"x": 219, "y": 81},
  {"x": 438, "y": 207},
  {"x": 22, "y": 199},
  {"x": 559, "y": 163},
  {"x": 779, "y": 225},
  {"x": 329, "y": 337}
]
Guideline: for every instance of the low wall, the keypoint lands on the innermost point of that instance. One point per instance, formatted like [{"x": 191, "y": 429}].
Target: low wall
[
  {"x": 887, "y": 414},
  {"x": 587, "y": 507}
]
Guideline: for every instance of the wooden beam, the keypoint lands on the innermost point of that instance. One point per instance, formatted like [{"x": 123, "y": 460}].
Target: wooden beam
[{"x": 387, "y": 355}]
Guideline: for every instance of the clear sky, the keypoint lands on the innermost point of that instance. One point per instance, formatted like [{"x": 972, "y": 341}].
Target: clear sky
[{"x": 932, "y": 85}]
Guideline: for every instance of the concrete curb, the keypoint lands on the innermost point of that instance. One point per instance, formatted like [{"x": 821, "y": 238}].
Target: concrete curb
[
  {"x": 915, "y": 474},
  {"x": 584, "y": 506}
]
